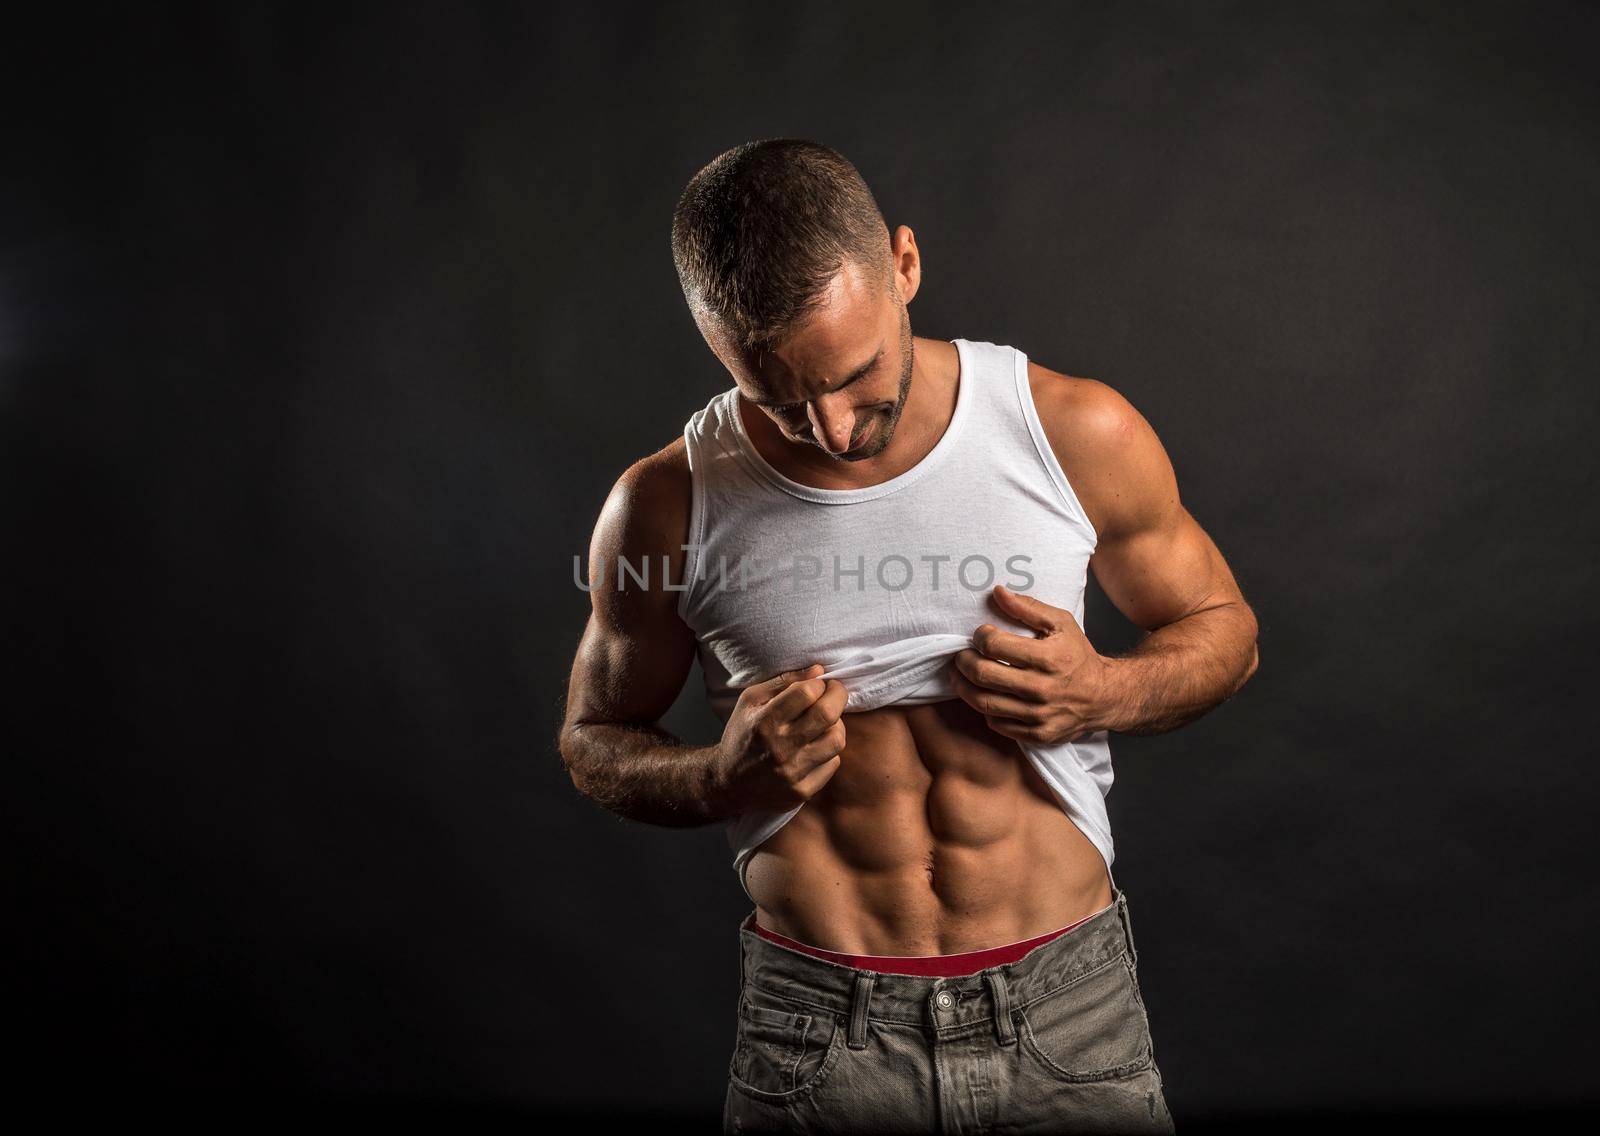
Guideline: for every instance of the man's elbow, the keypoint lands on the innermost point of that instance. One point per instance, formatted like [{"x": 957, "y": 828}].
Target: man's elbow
[
  {"x": 1251, "y": 635},
  {"x": 569, "y": 744},
  {"x": 1255, "y": 648}
]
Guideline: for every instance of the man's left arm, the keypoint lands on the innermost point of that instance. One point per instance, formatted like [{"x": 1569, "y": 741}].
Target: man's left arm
[{"x": 1155, "y": 563}]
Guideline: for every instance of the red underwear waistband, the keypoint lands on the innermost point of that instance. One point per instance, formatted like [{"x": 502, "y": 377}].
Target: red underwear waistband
[{"x": 926, "y": 966}]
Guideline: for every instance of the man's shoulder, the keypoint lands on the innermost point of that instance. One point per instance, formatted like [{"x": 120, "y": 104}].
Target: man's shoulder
[
  {"x": 664, "y": 473},
  {"x": 1107, "y": 449},
  {"x": 1085, "y": 419},
  {"x": 648, "y": 507}
]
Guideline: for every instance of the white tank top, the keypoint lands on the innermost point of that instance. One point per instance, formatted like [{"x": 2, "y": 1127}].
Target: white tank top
[{"x": 883, "y": 584}]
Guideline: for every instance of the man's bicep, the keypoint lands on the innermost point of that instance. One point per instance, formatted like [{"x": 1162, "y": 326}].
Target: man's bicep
[
  {"x": 1159, "y": 573},
  {"x": 1154, "y": 561},
  {"x": 636, "y": 651},
  {"x": 629, "y": 673}
]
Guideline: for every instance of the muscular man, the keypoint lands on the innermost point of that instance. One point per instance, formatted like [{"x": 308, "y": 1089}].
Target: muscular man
[{"x": 878, "y": 546}]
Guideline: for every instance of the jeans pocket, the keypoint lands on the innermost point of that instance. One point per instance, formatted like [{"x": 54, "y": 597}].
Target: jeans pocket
[
  {"x": 781, "y": 1046},
  {"x": 1093, "y": 1029}
]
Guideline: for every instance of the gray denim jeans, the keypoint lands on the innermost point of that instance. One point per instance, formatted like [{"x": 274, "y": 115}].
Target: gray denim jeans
[{"x": 1057, "y": 1041}]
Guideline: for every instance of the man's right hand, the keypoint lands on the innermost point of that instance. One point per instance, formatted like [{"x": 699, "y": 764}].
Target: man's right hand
[{"x": 782, "y": 742}]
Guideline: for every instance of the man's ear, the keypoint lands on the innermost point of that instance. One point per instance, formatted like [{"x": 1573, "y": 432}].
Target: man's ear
[{"x": 907, "y": 262}]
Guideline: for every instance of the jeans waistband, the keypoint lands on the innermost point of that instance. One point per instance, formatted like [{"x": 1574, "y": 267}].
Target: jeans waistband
[{"x": 989, "y": 994}]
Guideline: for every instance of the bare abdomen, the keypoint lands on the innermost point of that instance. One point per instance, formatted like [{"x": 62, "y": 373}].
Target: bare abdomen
[{"x": 935, "y": 836}]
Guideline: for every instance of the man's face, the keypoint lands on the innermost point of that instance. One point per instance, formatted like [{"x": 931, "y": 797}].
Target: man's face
[{"x": 839, "y": 382}]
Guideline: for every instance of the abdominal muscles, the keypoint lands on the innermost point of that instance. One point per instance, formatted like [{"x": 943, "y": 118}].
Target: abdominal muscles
[{"x": 935, "y": 836}]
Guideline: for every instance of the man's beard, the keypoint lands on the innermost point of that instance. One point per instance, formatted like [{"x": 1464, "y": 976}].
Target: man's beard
[{"x": 888, "y": 420}]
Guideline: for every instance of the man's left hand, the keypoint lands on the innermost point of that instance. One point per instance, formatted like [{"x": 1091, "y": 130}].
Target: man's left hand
[{"x": 1056, "y": 687}]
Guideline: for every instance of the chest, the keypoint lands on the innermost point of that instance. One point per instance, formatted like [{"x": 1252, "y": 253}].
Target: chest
[{"x": 813, "y": 583}]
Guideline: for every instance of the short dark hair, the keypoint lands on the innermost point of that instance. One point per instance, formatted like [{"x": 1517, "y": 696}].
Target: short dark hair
[{"x": 760, "y": 231}]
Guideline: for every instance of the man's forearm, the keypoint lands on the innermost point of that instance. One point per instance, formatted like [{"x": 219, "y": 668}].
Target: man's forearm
[
  {"x": 1180, "y": 671},
  {"x": 643, "y": 773}
]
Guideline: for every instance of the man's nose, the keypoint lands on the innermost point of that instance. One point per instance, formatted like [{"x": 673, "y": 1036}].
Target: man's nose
[{"x": 832, "y": 425}]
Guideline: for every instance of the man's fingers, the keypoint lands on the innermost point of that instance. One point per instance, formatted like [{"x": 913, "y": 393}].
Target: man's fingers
[
  {"x": 990, "y": 674},
  {"x": 990, "y": 702},
  {"x": 768, "y": 689},
  {"x": 1018, "y": 650},
  {"x": 822, "y": 713},
  {"x": 811, "y": 784},
  {"x": 833, "y": 699},
  {"x": 795, "y": 699},
  {"x": 820, "y": 751},
  {"x": 829, "y": 743},
  {"x": 778, "y": 681}
]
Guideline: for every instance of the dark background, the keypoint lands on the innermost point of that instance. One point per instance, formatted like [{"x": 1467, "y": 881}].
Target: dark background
[{"x": 324, "y": 332}]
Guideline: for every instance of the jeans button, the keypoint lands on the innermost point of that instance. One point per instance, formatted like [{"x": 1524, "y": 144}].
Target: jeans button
[{"x": 944, "y": 1000}]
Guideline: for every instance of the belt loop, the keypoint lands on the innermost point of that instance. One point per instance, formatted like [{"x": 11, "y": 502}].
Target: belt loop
[
  {"x": 1127, "y": 929},
  {"x": 862, "y": 995},
  {"x": 1003, "y": 1028}
]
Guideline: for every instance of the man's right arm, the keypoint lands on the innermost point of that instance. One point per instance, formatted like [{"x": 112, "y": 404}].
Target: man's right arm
[
  {"x": 783, "y": 739},
  {"x": 634, "y": 657}
]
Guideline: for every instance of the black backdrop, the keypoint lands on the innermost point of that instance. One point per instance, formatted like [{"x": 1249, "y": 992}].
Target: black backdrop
[{"x": 324, "y": 332}]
